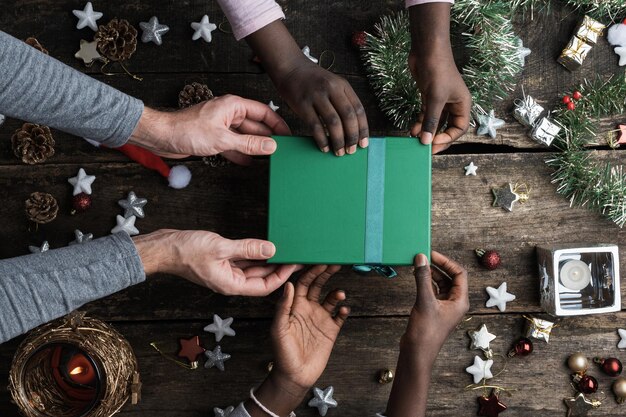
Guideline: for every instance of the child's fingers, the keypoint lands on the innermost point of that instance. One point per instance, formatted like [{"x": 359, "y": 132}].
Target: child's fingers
[
  {"x": 459, "y": 290},
  {"x": 307, "y": 278},
  {"x": 283, "y": 307},
  {"x": 423, "y": 281},
  {"x": 332, "y": 299},
  {"x": 331, "y": 119},
  {"x": 317, "y": 129},
  {"x": 364, "y": 131},
  {"x": 349, "y": 120},
  {"x": 315, "y": 289},
  {"x": 342, "y": 315}
]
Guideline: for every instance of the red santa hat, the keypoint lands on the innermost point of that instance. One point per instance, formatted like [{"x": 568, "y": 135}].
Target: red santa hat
[{"x": 178, "y": 176}]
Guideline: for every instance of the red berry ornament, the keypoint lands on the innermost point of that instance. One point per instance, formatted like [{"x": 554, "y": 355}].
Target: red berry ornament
[
  {"x": 359, "y": 38},
  {"x": 610, "y": 366},
  {"x": 588, "y": 384},
  {"x": 81, "y": 202},
  {"x": 577, "y": 95},
  {"x": 571, "y": 105},
  {"x": 567, "y": 99},
  {"x": 489, "y": 259},
  {"x": 523, "y": 347}
]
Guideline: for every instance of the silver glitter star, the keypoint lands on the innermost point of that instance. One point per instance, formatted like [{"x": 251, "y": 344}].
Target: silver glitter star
[
  {"x": 522, "y": 51},
  {"x": 203, "y": 29},
  {"x": 45, "y": 246},
  {"x": 481, "y": 338},
  {"x": 504, "y": 197},
  {"x": 220, "y": 327},
  {"x": 125, "y": 225},
  {"x": 323, "y": 400},
  {"x": 488, "y": 123},
  {"x": 87, "y": 17},
  {"x": 223, "y": 413},
  {"x": 133, "y": 205},
  {"x": 81, "y": 237},
  {"x": 216, "y": 358},
  {"x": 153, "y": 31},
  {"x": 82, "y": 182}
]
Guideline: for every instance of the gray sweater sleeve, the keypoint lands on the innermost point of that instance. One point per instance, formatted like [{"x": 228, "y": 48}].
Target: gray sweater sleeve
[
  {"x": 38, "y": 288},
  {"x": 39, "y": 89}
]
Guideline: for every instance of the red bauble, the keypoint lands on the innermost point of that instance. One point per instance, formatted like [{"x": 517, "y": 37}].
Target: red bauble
[
  {"x": 490, "y": 259},
  {"x": 588, "y": 384},
  {"x": 610, "y": 366},
  {"x": 571, "y": 105},
  {"x": 567, "y": 99},
  {"x": 490, "y": 406},
  {"x": 81, "y": 202},
  {"x": 523, "y": 347},
  {"x": 359, "y": 39},
  {"x": 577, "y": 95}
]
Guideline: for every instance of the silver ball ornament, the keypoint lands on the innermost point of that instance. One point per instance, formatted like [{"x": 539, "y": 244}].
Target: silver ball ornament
[
  {"x": 578, "y": 362},
  {"x": 619, "y": 389}
]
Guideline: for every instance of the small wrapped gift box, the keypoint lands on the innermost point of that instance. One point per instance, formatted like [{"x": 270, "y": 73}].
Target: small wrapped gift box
[
  {"x": 574, "y": 54},
  {"x": 589, "y": 30},
  {"x": 579, "y": 279},
  {"x": 545, "y": 131}
]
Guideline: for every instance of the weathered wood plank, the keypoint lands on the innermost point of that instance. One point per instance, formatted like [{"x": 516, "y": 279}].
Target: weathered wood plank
[
  {"x": 232, "y": 202},
  {"x": 317, "y": 25},
  {"x": 364, "y": 347}
]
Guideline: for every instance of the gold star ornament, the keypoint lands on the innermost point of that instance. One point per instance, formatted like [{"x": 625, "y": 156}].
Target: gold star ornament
[{"x": 579, "y": 406}]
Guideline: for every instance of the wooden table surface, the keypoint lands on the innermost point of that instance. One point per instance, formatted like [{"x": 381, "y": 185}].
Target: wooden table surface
[{"x": 232, "y": 201}]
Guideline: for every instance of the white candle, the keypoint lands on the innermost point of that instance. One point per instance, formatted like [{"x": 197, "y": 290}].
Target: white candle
[{"x": 575, "y": 275}]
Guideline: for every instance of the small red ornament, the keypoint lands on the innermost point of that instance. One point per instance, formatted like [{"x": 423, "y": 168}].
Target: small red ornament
[
  {"x": 567, "y": 99},
  {"x": 588, "y": 384},
  {"x": 571, "y": 105},
  {"x": 190, "y": 349},
  {"x": 490, "y": 406},
  {"x": 523, "y": 347},
  {"x": 490, "y": 259},
  {"x": 577, "y": 95},
  {"x": 610, "y": 366},
  {"x": 81, "y": 202},
  {"x": 359, "y": 39}
]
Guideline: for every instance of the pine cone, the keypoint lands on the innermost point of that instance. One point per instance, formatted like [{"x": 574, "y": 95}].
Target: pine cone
[
  {"x": 117, "y": 40},
  {"x": 33, "y": 143},
  {"x": 194, "y": 93},
  {"x": 35, "y": 44},
  {"x": 41, "y": 208}
]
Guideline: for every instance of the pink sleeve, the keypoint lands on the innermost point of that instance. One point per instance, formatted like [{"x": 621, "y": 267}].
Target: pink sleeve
[
  {"x": 248, "y": 16},
  {"x": 409, "y": 3}
]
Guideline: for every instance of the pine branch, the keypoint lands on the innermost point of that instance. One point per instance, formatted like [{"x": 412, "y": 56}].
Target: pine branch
[{"x": 600, "y": 9}]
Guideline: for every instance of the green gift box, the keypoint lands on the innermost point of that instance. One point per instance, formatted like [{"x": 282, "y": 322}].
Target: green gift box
[{"x": 372, "y": 207}]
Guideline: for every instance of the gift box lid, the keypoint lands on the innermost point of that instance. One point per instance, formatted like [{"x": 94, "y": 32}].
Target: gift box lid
[{"x": 372, "y": 207}]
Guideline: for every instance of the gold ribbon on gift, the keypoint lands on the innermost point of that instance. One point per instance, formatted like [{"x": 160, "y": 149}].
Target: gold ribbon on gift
[{"x": 589, "y": 30}]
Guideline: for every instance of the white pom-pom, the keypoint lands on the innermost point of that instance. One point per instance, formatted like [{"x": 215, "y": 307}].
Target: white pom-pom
[
  {"x": 179, "y": 177},
  {"x": 617, "y": 35}
]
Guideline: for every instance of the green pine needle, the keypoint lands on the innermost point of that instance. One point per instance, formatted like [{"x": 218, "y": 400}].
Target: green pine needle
[{"x": 601, "y": 187}]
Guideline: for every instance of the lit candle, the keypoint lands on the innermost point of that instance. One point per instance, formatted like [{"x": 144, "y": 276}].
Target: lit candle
[
  {"x": 575, "y": 275},
  {"x": 80, "y": 369}
]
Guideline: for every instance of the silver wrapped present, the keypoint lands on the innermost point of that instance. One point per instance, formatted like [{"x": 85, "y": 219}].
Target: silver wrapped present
[
  {"x": 539, "y": 329},
  {"x": 579, "y": 279},
  {"x": 527, "y": 111},
  {"x": 589, "y": 30},
  {"x": 545, "y": 131}
]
